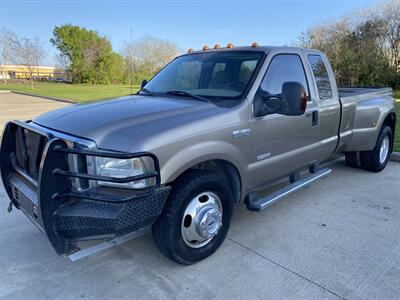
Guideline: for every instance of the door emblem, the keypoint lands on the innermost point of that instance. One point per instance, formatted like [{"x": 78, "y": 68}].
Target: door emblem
[
  {"x": 263, "y": 156},
  {"x": 241, "y": 132}
]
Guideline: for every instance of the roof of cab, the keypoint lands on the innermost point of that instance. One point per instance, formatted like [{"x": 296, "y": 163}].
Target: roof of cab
[{"x": 252, "y": 48}]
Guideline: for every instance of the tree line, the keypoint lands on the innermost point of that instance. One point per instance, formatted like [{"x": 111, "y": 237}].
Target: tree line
[
  {"x": 363, "y": 48},
  {"x": 88, "y": 57},
  {"x": 85, "y": 56}
]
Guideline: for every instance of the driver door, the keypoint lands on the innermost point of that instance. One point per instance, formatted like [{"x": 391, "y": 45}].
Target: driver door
[{"x": 283, "y": 144}]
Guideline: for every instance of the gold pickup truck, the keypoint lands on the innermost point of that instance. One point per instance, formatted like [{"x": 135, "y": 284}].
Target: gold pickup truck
[{"x": 212, "y": 129}]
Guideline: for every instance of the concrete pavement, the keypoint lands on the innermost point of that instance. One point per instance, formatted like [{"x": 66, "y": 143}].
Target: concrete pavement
[
  {"x": 338, "y": 238},
  {"x": 23, "y": 107}
]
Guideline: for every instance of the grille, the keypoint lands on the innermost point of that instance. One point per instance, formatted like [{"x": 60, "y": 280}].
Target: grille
[{"x": 29, "y": 148}]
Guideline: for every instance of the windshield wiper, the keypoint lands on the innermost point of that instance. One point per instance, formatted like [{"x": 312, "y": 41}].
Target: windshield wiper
[
  {"x": 187, "y": 94},
  {"x": 148, "y": 92}
]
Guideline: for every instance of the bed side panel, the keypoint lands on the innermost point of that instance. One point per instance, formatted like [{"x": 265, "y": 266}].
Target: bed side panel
[{"x": 366, "y": 117}]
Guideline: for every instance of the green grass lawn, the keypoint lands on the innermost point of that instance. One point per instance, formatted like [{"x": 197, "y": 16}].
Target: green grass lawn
[{"x": 75, "y": 92}]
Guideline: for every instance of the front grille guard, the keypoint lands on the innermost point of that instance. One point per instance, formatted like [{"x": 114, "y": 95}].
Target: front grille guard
[
  {"x": 64, "y": 149},
  {"x": 54, "y": 186},
  {"x": 112, "y": 154}
]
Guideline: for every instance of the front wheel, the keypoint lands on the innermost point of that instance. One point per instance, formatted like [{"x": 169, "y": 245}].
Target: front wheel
[
  {"x": 196, "y": 217},
  {"x": 377, "y": 159}
]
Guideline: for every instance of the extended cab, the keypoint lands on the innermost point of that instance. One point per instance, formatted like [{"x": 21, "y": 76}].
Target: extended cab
[{"x": 211, "y": 129}]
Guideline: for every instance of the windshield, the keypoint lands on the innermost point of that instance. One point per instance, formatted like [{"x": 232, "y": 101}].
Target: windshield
[{"x": 210, "y": 75}]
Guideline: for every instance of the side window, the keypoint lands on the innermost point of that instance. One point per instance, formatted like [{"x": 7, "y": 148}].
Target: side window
[
  {"x": 282, "y": 68},
  {"x": 321, "y": 76}
]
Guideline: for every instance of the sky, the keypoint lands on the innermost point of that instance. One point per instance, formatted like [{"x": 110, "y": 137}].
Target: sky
[{"x": 190, "y": 23}]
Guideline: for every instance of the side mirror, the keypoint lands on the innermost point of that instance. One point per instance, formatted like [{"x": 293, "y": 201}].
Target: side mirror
[
  {"x": 144, "y": 82},
  {"x": 294, "y": 99},
  {"x": 291, "y": 102}
]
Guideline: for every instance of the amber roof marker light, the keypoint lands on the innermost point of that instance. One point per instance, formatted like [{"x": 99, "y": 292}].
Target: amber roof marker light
[
  {"x": 255, "y": 45},
  {"x": 217, "y": 46},
  {"x": 190, "y": 50},
  {"x": 230, "y": 46},
  {"x": 205, "y": 47}
]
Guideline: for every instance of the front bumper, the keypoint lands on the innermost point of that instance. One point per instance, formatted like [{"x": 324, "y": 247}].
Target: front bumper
[{"x": 40, "y": 181}]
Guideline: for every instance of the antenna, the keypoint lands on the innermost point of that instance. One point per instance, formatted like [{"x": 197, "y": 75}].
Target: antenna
[{"x": 131, "y": 62}]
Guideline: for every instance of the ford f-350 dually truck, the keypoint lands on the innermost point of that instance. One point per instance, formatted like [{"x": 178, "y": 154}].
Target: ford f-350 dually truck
[{"x": 213, "y": 128}]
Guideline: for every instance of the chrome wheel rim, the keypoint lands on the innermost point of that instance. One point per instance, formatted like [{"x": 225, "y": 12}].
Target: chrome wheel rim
[
  {"x": 384, "y": 151},
  {"x": 201, "y": 220}
]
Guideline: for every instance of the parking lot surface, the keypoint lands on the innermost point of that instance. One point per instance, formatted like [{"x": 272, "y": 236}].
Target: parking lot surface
[
  {"x": 338, "y": 238},
  {"x": 23, "y": 107}
]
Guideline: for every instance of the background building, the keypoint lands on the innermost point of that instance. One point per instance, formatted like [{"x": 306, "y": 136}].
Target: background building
[{"x": 22, "y": 72}]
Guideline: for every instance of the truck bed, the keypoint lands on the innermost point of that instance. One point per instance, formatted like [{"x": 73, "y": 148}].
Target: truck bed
[{"x": 363, "y": 92}]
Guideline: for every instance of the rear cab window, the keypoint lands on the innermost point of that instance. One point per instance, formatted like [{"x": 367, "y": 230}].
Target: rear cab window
[{"x": 321, "y": 76}]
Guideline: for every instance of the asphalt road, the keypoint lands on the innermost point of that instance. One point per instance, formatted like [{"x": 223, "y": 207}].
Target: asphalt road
[{"x": 338, "y": 238}]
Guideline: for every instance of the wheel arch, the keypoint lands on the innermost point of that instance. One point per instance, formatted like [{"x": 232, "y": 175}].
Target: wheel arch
[
  {"x": 390, "y": 120},
  {"x": 227, "y": 168}
]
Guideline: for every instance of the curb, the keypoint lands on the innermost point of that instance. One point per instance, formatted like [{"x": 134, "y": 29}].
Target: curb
[
  {"x": 395, "y": 157},
  {"x": 4, "y": 91},
  {"x": 45, "y": 97}
]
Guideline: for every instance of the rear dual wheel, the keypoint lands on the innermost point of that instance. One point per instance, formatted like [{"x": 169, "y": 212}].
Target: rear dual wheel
[{"x": 376, "y": 159}]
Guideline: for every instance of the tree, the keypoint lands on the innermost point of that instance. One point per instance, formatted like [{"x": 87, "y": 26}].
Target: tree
[
  {"x": 30, "y": 53},
  {"x": 23, "y": 51},
  {"x": 63, "y": 65},
  {"x": 363, "y": 48},
  {"x": 150, "y": 54},
  {"x": 7, "y": 39},
  {"x": 90, "y": 56}
]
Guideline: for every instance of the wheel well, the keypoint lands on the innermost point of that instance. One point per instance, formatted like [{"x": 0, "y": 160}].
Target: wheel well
[
  {"x": 390, "y": 121},
  {"x": 228, "y": 169}
]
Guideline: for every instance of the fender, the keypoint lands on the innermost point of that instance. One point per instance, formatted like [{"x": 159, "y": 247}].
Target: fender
[{"x": 190, "y": 156}]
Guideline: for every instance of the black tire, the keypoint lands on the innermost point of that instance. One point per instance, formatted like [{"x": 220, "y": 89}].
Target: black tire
[
  {"x": 370, "y": 159},
  {"x": 166, "y": 231},
  {"x": 351, "y": 159}
]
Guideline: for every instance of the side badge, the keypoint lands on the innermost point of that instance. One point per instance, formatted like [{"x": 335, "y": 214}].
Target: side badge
[
  {"x": 263, "y": 156},
  {"x": 241, "y": 132}
]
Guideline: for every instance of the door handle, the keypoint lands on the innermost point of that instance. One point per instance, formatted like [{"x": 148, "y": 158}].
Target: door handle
[{"x": 315, "y": 118}]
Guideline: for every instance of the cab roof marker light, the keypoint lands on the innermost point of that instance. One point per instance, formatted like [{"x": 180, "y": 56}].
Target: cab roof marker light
[
  {"x": 229, "y": 46},
  {"x": 254, "y": 45},
  {"x": 190, "y": 50},
  {"x": 205, "y": 47},
  {"x": 217, "y": 46}
]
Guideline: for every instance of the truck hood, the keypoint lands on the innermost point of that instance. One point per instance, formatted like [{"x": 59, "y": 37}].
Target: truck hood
[{"x": 129, "y": 122}]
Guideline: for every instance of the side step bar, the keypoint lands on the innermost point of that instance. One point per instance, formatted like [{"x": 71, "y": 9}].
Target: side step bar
[{"x": 262, "y": 203}]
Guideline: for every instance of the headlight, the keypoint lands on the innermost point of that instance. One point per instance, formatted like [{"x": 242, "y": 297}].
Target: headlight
[{"x": 121, "y": 168}]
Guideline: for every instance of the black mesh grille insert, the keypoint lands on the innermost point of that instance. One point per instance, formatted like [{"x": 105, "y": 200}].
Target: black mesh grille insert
[{"x": 29, "y": 149}]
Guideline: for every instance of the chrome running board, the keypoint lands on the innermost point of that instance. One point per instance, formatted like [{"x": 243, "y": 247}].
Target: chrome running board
[{"x": 262, "y": 203}]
